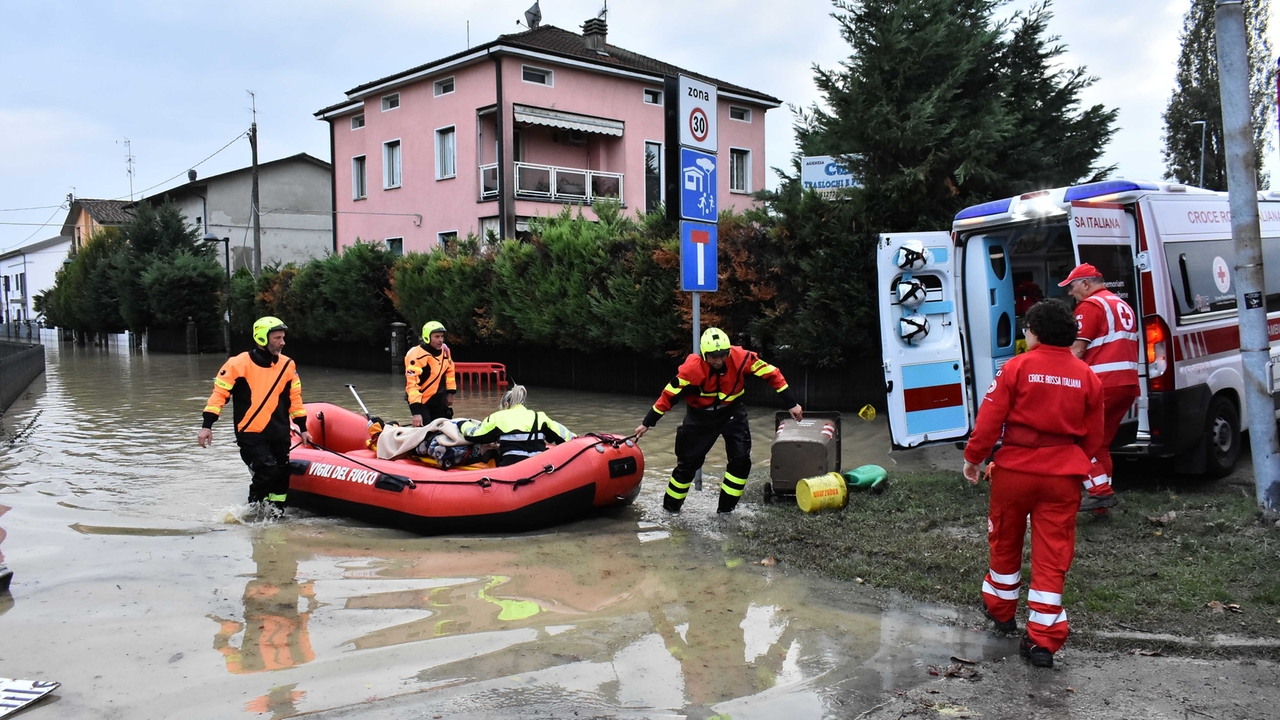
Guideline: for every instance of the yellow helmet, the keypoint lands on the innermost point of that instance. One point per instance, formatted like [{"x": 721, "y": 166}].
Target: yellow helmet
[
  {"x": 714, "y": 340},
  {"x": 431, "y": 327},
  {"x": 263, "y": 326}
]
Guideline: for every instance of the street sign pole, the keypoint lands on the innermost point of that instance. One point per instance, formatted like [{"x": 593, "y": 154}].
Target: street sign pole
[{"x": 697, "y": 332}]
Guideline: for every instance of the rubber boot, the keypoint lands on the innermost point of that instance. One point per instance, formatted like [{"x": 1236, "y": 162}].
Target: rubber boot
[
  {"x": 671, "y": 504},
  {"x": 727, "y": 502},
  {"x": 6, "y": 575}
]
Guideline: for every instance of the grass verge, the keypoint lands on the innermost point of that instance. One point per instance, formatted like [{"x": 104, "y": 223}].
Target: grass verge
[{"x": 926, "y": 537}]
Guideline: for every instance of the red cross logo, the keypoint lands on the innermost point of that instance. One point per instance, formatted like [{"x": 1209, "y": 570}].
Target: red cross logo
[
  {"x": 1126, "y": 316},
  {"x": 1222, "y": 274}
]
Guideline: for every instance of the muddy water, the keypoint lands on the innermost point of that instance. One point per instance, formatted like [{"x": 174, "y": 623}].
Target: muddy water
[{"x": 138, "y": 588}]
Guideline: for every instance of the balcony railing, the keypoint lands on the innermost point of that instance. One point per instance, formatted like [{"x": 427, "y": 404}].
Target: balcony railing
[{"x": 557, "y": 184}]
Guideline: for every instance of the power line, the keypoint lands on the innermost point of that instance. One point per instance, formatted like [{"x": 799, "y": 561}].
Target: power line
[
  {"x": 191, "y": 167},
  {"x": 33, "y": 232},
  {"x": 36, "y": 207}
]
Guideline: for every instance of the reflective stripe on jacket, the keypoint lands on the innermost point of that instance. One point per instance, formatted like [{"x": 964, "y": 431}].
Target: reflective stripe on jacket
[
  {"x": 1111, "y": 329},
  {"x": 265, "y": 390},
  {"x": 704, "y": 389},
  {"x": 427, "y": 375},
  {"x": 518, "y": 431}
]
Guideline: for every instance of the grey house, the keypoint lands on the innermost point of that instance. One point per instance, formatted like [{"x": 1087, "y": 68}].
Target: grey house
[{"x": 296, "y": 215}]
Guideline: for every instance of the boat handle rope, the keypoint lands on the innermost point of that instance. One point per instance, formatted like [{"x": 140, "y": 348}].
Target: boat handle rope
[{"x": 485, "y": 481}]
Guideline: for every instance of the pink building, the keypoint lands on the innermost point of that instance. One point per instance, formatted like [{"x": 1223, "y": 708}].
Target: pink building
[{"x": 483, "y": 140}]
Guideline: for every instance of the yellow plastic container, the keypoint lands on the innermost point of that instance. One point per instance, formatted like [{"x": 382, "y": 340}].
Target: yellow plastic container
[{"x": 824, "y": 492}]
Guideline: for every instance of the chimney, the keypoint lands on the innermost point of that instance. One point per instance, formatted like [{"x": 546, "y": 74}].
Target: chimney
[
  {"x": 595, "y": 30},
  {"x": 191, "y": 175}
]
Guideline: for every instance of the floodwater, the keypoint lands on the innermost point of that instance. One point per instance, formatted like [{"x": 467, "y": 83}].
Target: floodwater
[{"x": 137, "y": 587}]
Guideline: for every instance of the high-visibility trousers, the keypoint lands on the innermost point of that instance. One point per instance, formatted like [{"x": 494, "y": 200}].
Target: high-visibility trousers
[
  {"x": 268, "y": 460},
  {"x": 1052, "y": 502},
  {"x": 694, "y": 439},
  {"x": 1116, "y": 403}
]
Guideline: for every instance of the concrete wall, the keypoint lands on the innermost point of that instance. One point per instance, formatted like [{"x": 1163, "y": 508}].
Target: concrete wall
[
  {"x": 19, "y": 365},
  {"x": 296, "y": 222}
]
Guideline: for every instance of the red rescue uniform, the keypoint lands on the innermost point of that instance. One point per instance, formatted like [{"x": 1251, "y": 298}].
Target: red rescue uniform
[
  {"x": 715, "y": 409},
  {"x": 1110, "y": 327},
  {"x": 1048, "y": 407}
]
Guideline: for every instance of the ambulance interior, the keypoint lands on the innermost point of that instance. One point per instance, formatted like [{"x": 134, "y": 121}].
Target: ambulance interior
[{"x": 1006, "y": 271}]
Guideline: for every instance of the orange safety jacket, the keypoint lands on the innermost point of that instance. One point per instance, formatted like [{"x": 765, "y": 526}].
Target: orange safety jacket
[
  {"x": 266, "y": 391},
  {"x": 708, "y": 391},
  {"x": 427, "y": 374}
]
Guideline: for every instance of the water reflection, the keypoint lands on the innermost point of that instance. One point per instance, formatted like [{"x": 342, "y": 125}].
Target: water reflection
[{"x": 629, "y": 615}]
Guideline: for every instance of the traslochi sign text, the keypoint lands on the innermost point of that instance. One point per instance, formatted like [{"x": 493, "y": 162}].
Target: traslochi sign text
[
  {"x": 825, "y": 175},
  {"x": 698, "y": 271},
  {"x": 697, "y": 114},
  {"x": 698, "y": 186}
]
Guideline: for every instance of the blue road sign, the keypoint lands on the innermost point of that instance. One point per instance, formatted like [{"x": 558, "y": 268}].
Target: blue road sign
[
  {"x": 698, "y": 186},
  {"x": 698, "y": 270}
]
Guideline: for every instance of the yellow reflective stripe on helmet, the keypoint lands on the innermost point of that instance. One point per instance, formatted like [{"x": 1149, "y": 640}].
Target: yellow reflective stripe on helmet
[
  {"x": 222, "y": 383},
  {"x": 213, "y": 409}
]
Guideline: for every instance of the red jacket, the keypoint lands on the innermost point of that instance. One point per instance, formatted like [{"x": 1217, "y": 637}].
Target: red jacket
[
  {"x": 1047, "y": 406},
  {"x": 1110, "y": 327},
  {"x": 706, "y": 390}
]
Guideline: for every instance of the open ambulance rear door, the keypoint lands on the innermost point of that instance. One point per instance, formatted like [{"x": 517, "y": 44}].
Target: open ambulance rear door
[{"x": 920, "y": 332}]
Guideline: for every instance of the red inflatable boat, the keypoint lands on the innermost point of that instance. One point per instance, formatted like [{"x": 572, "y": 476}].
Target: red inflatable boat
[{"x": 341, "y": 476}]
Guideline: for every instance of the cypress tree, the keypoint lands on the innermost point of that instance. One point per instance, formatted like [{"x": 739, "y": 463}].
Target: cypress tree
[{"x": 1196, "y": 96}]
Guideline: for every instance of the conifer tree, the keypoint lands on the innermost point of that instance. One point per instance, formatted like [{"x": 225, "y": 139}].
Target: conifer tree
[
  {"x": 1196, "y": 96},
  {"x": 940, "y": 106}
]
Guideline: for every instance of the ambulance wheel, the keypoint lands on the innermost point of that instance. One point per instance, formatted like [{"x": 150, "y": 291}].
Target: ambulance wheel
[{"x": 1222, "y": 434}]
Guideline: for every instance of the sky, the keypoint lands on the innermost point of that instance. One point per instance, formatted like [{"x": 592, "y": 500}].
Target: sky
[{"x": 172, "y": 77}]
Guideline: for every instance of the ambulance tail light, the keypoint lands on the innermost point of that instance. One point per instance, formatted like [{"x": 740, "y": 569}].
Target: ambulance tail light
[{"x": 1159, "y": 354}]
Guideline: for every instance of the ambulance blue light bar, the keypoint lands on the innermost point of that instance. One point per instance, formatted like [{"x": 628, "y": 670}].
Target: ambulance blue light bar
[
  {"x": 1106, "y": 187},
  {"x": 995, "y": 207}
]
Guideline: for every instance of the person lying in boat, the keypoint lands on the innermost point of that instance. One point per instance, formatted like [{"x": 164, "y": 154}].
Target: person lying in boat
[
  {"x": 439, "y": 442},
  {"x": 520, "y": 432}
]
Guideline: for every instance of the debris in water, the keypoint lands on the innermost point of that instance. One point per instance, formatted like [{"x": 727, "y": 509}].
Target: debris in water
[{"x": 768, "y": 562}]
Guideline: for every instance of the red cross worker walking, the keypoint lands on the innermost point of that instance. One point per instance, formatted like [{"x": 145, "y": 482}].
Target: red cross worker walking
[
  {"x": 1107, "y": 340},
  {"x": 1047, "y": 406}
]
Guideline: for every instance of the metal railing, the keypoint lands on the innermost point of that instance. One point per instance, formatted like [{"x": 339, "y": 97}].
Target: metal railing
[{"x": 549, "y": 182}]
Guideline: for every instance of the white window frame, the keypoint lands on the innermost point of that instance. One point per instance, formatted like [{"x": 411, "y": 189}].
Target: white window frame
[
  {"x": 746, "y": 110},
  {"x": 388, "y": 99},
  {"x": 453, "y": 86},
  {"x": 662, "y": 172},
  {"x": 387, "y": 243},
  {"x": 364, "y": 177},
  {"x": 354, "y": 118},
  {"x": 440, "y": 236},
  {"x": 746, "y": 191},
  {"x": 453, "y": 131},
  {"x": 657, "y": 93},
  {"x": 386, "y": 174},
  {"x": 551, "y": 75}
]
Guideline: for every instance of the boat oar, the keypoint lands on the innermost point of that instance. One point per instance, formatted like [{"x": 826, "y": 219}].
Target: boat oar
[{"x": 352, "y": 388}]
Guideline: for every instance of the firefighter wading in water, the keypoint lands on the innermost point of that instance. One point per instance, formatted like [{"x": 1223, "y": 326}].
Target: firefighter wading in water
[
  {"x": 429, "y": 382},
  {"x": 712, "y": 384},
  {"x": 1050, "y": 406},
  {"x": 267, "y": 394}
]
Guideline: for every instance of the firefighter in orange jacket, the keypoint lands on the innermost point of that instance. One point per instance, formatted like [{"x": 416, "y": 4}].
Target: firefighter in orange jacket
[
  {"x": 1107, "y": 340},
  {"x": 1048, "y": 406},
  {"x": 428, "y": 374},
  {"x": 712, "y": 384},
  {"x": 267, "y": 395}
]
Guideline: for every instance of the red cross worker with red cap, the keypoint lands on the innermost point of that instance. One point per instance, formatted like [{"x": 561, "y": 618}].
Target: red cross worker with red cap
[
  {"x": 1106, "y": 339},
  {"x": 1046, "y": 406}
]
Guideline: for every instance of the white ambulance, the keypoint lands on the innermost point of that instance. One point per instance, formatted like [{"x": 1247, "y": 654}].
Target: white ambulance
[{"x": 951, "y": 308}]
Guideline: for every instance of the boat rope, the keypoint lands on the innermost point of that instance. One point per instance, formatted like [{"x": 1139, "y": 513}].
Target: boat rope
[{"x": 486, "y": 481}]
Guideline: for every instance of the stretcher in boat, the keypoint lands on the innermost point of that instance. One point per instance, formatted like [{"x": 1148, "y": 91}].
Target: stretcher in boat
[{"x": 342, "y": 476}]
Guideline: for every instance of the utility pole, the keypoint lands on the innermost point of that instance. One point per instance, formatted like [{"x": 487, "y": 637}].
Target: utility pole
[
  {"x": 1255, "y": 346},
  {"x": 257, "y": 220},
  {"x": 128, "y": 164}
]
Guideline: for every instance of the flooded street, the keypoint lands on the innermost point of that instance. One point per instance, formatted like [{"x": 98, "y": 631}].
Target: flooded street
[{"x": 138, "y": 588}]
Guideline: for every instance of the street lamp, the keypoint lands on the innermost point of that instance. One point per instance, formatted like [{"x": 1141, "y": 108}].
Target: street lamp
[
  {"x": 226, "y": 248},
  {"x": 1202, "y": 125}
]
